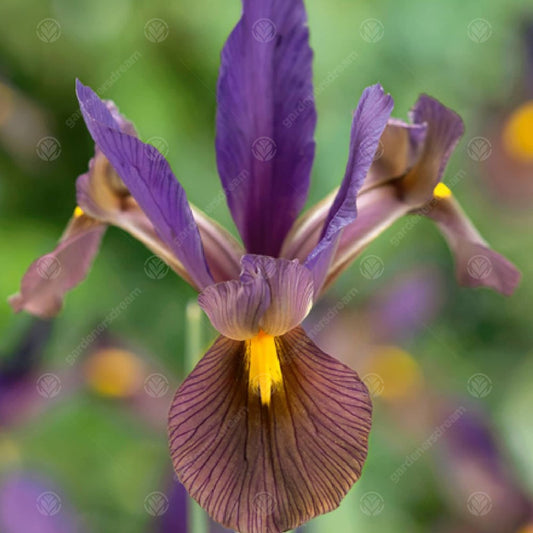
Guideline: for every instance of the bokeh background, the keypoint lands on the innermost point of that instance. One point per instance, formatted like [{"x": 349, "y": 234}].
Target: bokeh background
[{"x": 83, "y": 407}]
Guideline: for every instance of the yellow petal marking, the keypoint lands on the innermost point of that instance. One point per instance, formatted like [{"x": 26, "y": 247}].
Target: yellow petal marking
[
  {"x": 78, "y": 212},
  {"x": 442, "y": 191},
  {"x": 264, "y": 371}
]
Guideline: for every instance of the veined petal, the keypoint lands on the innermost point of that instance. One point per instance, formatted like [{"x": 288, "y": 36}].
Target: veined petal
[
  {"x": 368, "y": 124},
  {"x": 272, "y": 295},
  {"x": 236, "y": 307},
  {"x": 399, "y": 148},
  {"x": 150, "y": 180},
  {"x": 257, "y": 467},
  {"x": 265, "y": 121},
  {"x": 48, "y": 278},
  {"x": 444, "y": 129},
  {"x": 378, "y": 209},
  {"x": 476, "y": 265},
  {"x": 290, "y": 286}
]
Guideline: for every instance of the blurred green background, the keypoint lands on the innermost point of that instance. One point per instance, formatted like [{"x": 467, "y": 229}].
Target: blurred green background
[{"x": 104, "y": 455}]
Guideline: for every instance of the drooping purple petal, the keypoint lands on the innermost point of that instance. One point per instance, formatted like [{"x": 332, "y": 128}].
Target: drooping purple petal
[
  {"x": 444, "y": 129},
  {"x": 257, "y": 468},
  {"x": 48, "y": 278},
  {"x": 368, "y": 124},
  {"x": 266, "y": 120},
  {"x": 476, "y": 265},
  {"x": 150, "y": 180}
]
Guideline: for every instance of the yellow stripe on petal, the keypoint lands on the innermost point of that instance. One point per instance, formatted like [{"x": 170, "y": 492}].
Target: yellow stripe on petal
[
  {"x": 264, "y": 371},
  {"x": 78, "y": 212},
  {"x": 518, "y": 133},
  {"x": 442, "y": 191}
]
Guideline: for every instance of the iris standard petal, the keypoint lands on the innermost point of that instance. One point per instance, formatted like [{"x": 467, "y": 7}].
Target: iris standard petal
[
  {"x": 48, "y": 278},
  {"x": 265, "y": 121},
  {"x": 368, "y": 124},
  {"x": 476, "y": 265},
  {"x": 150, "y": 180},
  {"x": 444, "y": 129},
  {"x": 257, "y": 467}
]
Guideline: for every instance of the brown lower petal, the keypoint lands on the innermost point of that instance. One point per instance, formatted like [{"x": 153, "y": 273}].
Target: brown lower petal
[{"x": 259, "y": 467}]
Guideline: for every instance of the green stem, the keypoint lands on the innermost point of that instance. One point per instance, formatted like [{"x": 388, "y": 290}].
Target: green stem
[{"x": 198, "y": 522}]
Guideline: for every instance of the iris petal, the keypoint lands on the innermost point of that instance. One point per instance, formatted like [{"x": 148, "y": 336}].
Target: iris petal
[
  {"x": 369, "y": 121},
  {"x": 151, "y": 182},
  {"x": 48, "y": 278},
  {"x": 444, "y": 129},
  {"x": 476, "y": 265},
  {"x": 258, "y": 468},
  {"x": 266, "y": 120}
]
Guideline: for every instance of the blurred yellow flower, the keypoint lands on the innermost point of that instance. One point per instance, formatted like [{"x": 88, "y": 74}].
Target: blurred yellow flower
[
  {"x": 114, "y": 373},
  {"x": 518, "y": 133}
]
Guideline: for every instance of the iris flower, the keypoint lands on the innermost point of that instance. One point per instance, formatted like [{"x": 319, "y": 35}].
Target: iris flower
[{"x": 267, "y": 431}]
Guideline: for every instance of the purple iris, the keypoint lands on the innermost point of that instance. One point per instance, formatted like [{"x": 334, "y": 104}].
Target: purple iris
[{"x": 267, "y": 431}]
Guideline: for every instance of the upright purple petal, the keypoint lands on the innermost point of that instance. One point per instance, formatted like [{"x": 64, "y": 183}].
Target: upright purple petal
[
  {"x": 368, "y": 125},
  {"x": 150, "y": 180},
  {"x": 266, "y": 120},
  {"x": 50, "y": 277}
]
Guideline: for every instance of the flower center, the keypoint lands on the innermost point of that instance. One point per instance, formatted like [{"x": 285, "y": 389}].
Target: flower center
[{"x": 264, "y": 371}]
